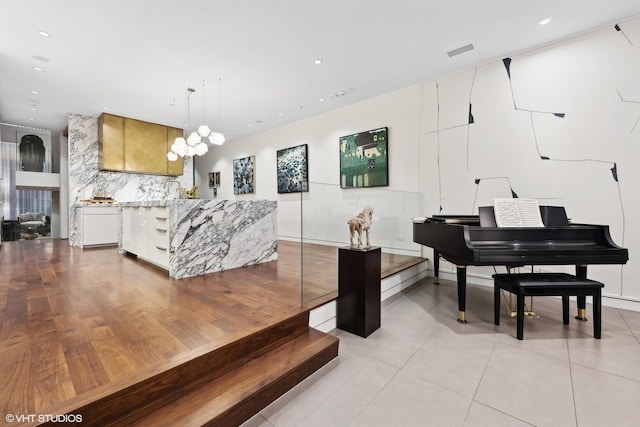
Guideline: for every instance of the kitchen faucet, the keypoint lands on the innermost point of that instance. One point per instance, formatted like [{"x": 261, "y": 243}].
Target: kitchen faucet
[{"x": 166, "y": 185}]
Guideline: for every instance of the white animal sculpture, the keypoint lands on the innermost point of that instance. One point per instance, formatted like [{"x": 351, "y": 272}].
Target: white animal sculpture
[{"x": 361, "y": 224}]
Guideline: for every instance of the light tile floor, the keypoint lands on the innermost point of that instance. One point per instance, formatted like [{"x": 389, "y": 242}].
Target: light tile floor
[{"x": 422, "y": 368}]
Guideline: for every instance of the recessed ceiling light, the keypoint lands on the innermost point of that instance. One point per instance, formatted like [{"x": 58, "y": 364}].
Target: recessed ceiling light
[
  {"x": 44, "y": 33},
  {"x": 40, "y": 58},
  {"x": 31, "y": 119},
  {"x": 35, "y": 92},
  {"x": 33, "y": 108},
  {"x": 321, "y": 99},
  {"x": 280, "y": 114},
  {"x": 544, "y": 21},
  {"x": 106, "y": 108},
  {"x": 318, "y": 61},
  {"x": 38, "y": 69}
]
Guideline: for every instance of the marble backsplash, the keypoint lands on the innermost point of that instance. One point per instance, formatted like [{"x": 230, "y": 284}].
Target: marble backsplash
[{"x": 86, "y": 179}]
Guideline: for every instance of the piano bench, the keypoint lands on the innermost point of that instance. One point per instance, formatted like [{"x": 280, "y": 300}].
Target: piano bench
[{"x": 547, "y": 284}]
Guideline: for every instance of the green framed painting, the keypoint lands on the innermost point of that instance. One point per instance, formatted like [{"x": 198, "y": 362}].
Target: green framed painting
[{"x": 364, "y": 159}]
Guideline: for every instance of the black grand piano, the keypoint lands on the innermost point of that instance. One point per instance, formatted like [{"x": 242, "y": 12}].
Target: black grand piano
[{"x": 476, "y": 240}]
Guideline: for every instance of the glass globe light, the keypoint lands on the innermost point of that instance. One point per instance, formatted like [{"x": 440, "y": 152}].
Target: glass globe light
[
  {"x": 201, "y": 149},
  {"x": 194, "y": 139},
  {"x": 216, "y": 138},
  {"x": 190, "y": 151},
  {"x": 180, "y": 142},
  {"x": 204, "y": 131},
  {"x": 182, "y": 150},
  {"x": 172, "y": 156}
]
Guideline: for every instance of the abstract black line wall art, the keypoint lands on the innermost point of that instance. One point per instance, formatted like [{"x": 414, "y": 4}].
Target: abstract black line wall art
[
  {"x": 632, "y": 102},
  {"x": 618, "y": 29}
]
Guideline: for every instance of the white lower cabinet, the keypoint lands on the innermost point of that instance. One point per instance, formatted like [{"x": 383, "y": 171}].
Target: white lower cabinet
[
  {"x": 145, "y": 233},
  {"x": 99, "y": 225},
  {"x": 129, "y": 216}
]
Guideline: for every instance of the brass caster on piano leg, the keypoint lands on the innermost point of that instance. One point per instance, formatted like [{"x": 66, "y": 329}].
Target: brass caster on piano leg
[
  {"x": 461, "y": 317},
  {"x": 436, "y": 281},
  {"x": 582, "y": 314}
]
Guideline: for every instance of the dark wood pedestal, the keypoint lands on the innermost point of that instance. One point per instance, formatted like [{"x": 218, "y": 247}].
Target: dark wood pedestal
[{"x": 358, "y": 305}]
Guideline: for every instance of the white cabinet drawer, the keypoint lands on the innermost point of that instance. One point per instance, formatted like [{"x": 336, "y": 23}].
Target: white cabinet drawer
[
  {"x": 161, "y": 212},
  {"x": 162, "y": 238},
  {"x": 161, "y": 223},
  {"x": 161, "y": 218},
  {"x": 146, "y": 233},
  {"x": 159, "y": 256}
]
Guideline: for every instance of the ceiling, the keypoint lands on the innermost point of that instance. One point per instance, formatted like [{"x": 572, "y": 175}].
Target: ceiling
[{"x": 137, "y": 58}]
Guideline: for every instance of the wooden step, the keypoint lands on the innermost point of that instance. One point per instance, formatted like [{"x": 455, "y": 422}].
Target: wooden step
[
  {"x": 235, "y": 397},
  {"x": 227, "y": 385}
]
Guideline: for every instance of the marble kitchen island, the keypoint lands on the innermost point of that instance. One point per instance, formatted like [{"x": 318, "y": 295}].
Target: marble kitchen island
[{"x": 191, "y": 237}]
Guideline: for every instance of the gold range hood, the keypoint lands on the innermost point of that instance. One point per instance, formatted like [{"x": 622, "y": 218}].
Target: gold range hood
[{"x": 135, "y": 146}]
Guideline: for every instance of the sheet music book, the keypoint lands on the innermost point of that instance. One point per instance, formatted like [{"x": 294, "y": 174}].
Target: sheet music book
[{"x": 517, "y": 213}]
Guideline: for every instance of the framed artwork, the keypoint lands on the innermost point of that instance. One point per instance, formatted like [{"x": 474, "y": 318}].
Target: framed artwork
[
  {"x": 243, "y": 175},
  {"x": 214, "y": 179},
  {"x": 364, "y": 159},
  {"x": 292, "y": 169}
]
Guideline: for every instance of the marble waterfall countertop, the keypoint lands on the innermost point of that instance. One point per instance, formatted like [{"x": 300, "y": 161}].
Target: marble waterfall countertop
[
  {"x": 151, "y": 203},
  {"x": 214, "y": 235}
]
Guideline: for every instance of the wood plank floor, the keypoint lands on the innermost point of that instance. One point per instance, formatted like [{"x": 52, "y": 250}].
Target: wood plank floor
[{"x": 77, "y": 323}]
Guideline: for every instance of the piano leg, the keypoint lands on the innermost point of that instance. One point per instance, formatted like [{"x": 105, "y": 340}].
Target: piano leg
[
  {"x": 462, "y": 292},
  {"x": 581, "y": 273},
  {"x": 436, "y": 267}
]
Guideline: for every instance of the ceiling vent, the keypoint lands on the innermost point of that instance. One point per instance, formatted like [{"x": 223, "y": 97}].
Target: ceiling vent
[{"x": 460, "y": 50}]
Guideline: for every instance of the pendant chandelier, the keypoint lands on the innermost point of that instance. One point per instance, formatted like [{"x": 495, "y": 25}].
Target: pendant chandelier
[{"x": 196, "y": 143}]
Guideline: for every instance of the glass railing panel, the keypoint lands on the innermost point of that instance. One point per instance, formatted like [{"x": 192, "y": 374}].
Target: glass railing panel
[{"x": 325, "y": 212}]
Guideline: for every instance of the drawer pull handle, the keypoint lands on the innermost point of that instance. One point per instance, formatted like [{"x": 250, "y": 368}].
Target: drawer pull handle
[{"x": 161, "y": 248}]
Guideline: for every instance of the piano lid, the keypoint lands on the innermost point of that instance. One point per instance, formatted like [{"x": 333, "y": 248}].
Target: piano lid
[{"x": 462, "y": 240}]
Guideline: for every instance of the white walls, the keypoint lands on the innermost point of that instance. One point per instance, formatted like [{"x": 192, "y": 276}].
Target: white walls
[
  {"x": 399, "y": 111},
  {"x": 583, "y": 157},
  {"x": 550, "y": 124}
]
